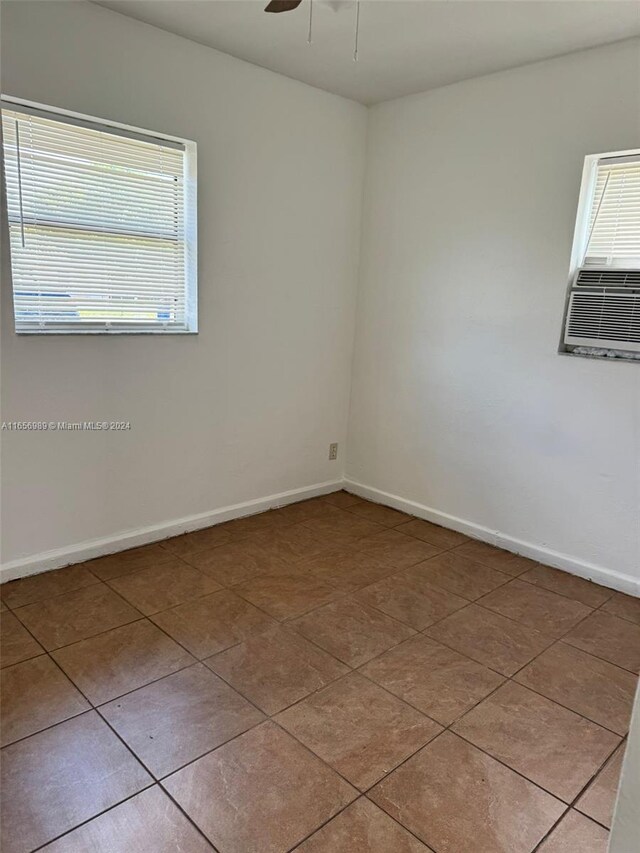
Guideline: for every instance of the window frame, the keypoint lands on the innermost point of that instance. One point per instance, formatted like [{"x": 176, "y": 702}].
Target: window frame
[
  {"x": 583, "y": 215},
  {"x": 579, "y": 247},
  {"x": 190, "y": 216}
]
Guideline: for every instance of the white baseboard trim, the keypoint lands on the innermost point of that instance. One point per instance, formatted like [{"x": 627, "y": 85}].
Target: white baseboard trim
[
  {"x": 607, "y": 577},
  {"x": 87, "y": 550},
  {"x": 59, "y": 557}
]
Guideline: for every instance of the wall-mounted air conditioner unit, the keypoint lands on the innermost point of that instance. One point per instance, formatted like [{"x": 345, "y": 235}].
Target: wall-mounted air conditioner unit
[{"x": 604, "y": 309}]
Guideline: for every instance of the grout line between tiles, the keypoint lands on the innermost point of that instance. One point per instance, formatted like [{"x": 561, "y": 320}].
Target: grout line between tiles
[
  {"x": 501, "y": 674},
  {"x": 298, "y": 844},
  {"x": 93, "y": 817},
  {"x": 352, "y": 803},
  {"x": 159, "y": 781},
  {"x": 340, "y": 660},
  {"x": 406, "y": 828},
  {"x": 572, "y": 805},
  {"x": 24, "y": 660},
  {"x": 623, "y": 746},
  {"x": 431, "y": 740},
  {"x": 270, "y": 718},
  {"x": 587, "y": 785},
  {"x": 92, "y": 709},
  {"x": 564, "y": 640},
  {"x": 601, "y": 609},
  {"x": 136, "y": 758},
  {"x": 562, "y": 594},
  {"x": 289, "y": 620},
  {"x": 564, "y": 802},
  {"x": 94, "y": 705},
  {"x": 533, "y": 690},
  {"x": 287, "y": 623},
  {"x": 139, "y": 618},
  {"x": 13, "y": 608}
]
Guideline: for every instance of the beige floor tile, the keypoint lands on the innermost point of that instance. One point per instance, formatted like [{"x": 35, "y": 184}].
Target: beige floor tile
[
  {"x": 352, "y": 632},
  {"x": 295, "y": 542},
  {"x": 490, "y": 639},
  {"x": 276, "y": 668},
  {"x": 59, "y": 778},
  {"x": 416, "y": 604},
  {"x": 441, "y": 537},
  {"x": 358, "y": 728},
  {"x": 286, "y": 594},
  {"x": 610, "y": 638},
  {"x": 591, "y": 594},
  {"x": 34, "y": 695},
  {"x": 164, "y": 586},
  {"x": 344, "y": 529},
  {"x": 341, "y": 499},
  {"x": 599, "y": 799},
  {"x": 347, "y": 569},
  {"x": 146, "y": 823},
  {"x": 383, "y": 515},
  {"x": 459, "y": 575},
  {"x": 364, "y": 828},
  {"x": 189, "y": 544},
  {"x": 121, "y": 660},
  {"x": 550, "y": 745},
  {"x": 397, "y": 549},
  {"x": 16, "y": 643},
  {"x": 438, "y": 681},
  {"x": 179, "y": 718},
  {"x": 251, "y": 525},
  {"x": 349, "y": 583},
  {"x": 144, "y": 557},
  {"x": 212, "y": 623},
  {"x": 261, "y": 793},
  {"x": 306, "y": 510},
  {"x": 38, "y": 587},
  {"x": 625, "y": 606},
  {"x": 587, "y": 685},
  {"x": 456, "y": 798},
  {"x": 576, "y": 834},
  {"x": 236, "y": 562},
  {"x": 496, "y": 558},
  {"x": 74, "y": 616},
  {"x": 536, "y": 607}
]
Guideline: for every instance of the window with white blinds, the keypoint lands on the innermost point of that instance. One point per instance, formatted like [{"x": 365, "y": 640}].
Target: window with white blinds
[
  {"x": 613, "y": 229},
  {"x": 602, "y": 309},
  {"x": 101, "y": 226}
]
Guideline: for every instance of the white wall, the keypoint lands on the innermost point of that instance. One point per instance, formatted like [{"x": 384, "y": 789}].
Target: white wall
[
  {"x": 248, "y": 407},
  {"x": 460, "y": 402}
]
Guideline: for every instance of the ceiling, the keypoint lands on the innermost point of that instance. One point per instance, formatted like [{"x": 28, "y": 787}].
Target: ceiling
[{"x": 405, "y": 46}]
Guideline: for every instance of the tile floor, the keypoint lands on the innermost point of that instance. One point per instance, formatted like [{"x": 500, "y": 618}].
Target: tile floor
[{"x": 330, "y": 677}]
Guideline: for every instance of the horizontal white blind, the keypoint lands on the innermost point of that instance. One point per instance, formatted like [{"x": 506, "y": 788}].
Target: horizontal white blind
[
  {"x": 97, "y": 227},
  {"x": 614, "y": 222}
]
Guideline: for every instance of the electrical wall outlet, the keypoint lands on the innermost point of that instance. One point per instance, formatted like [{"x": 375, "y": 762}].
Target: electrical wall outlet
[{"x": 333, "y": 451}]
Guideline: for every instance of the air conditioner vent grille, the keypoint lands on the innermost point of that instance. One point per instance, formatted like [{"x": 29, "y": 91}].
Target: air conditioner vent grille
[
  {"x": 604, "y": 319},
  {"x": 608, "y": 278}
]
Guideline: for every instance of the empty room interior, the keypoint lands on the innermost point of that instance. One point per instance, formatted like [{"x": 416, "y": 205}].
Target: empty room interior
[{"x": 320, "y": 426}]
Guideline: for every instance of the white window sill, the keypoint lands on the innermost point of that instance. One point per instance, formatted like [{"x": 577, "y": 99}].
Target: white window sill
[{"x": 41, "y": 332}]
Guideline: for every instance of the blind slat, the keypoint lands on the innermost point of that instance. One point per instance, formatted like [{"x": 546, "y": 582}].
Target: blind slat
[
  {"x": 614, "y": 221},
  {"x": 103, "y": 223}
]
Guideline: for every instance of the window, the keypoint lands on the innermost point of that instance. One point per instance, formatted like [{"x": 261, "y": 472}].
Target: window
[
  {"x": 102, "y": 225},
  {"x": 603, "y": 303}
]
